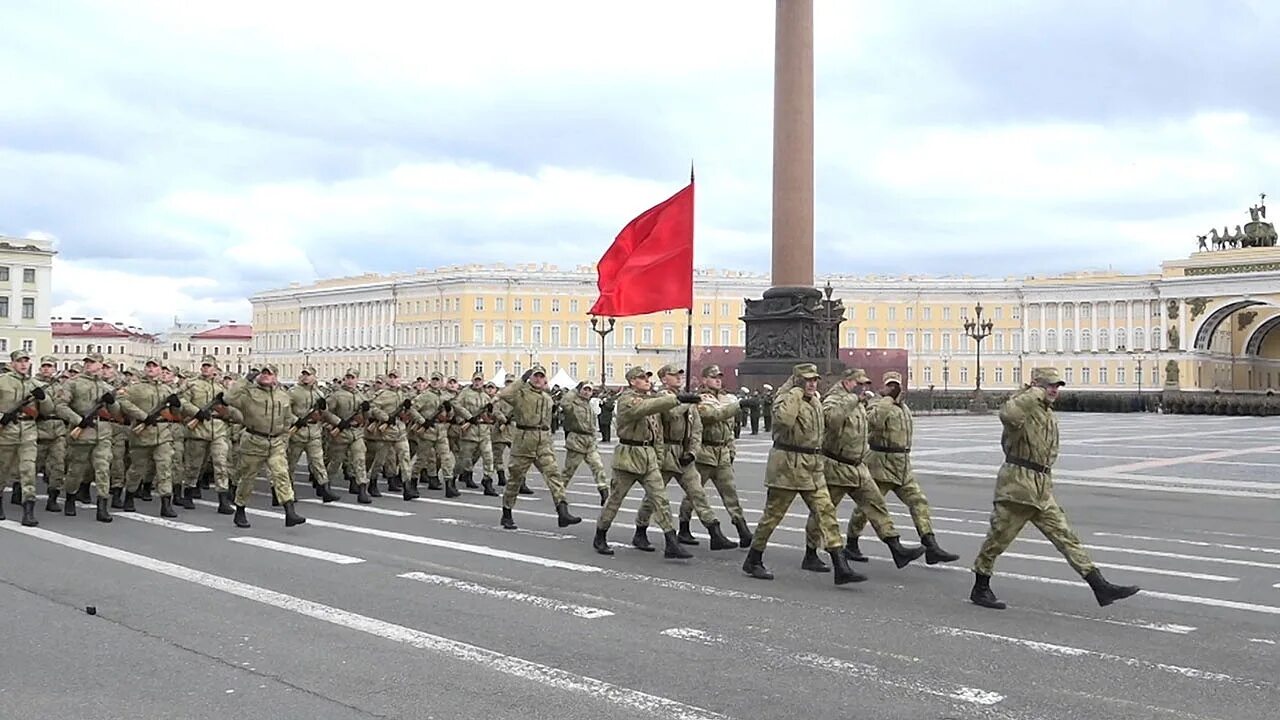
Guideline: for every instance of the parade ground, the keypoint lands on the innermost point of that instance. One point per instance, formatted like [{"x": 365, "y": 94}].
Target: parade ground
[{"x": 427, "y": 609}]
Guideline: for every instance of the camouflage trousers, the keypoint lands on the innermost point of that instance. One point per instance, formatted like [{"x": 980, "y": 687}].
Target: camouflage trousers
[
  {"x": 545, "y": 461},
  {"x": 351, "y": 455},
  {"x": 573, "y": 459},
  {"x": 655, "y": 497},
  {"x": 119, "y": 455},
  {"x": 371, "y": 450},
  {"x": 434, "y": 455},
  {"x": 778, "y": 501},
  {"x": 722, "y": 478},
  {"x": 255, "y": 451},
  {"x": 869, "y": 502},
  {"x": 500, "y": 450},
  {"x": 314, "y": 448},
  {"x": 18, "y": 463},
  {"x": 1008, "y": 519},
  {"x": 910, "y": 494},
  {"x": 691, "y": 483},
  {"x": 392, "y": 457},
  {"x": 179, "y": 470},
  {"x": 51, "y": 456},
  {"x": 471, "y": 450},
  {"x": 88, "y": 462},
  {"x": 155, "y": 462},
  {"x": 215, "y": 452}
]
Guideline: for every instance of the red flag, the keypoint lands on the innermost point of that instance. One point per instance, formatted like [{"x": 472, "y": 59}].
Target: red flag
[{"x": 649, "y": 266}]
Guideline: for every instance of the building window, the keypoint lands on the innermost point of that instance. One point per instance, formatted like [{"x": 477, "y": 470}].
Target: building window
[
  {"x": 500, "y": 304},
  {"x": 706, "y": 308},
  {"x": 28, "y": 275},
  {"x": 480, "y": 366},
  {"x": 480, "y": 302},
  {"x": 646, "y": 335},
  {"x": 573, "y": 369},
  {"x": 1084, "y": 376},
  {"x": 4, "y": 344},
  {"x": 999, "y": 374},
  {"x": 871, "y": 338},
  {"x": 946, "y": 314},
  {"x": 999, "y": 314},
  {"x": 575, "y": 336},
  {"x": 668, "y": 336},
  {"x": 927, "y": 313},
  {"x": 537, "y": 334},
  {"x": 477, "y": 333},
  {"x": 628, "y": 335},
  {"x": 706, "y": 337},
  {"x": 1067, "y": 375},
  {"x": 555, "y": 335},
  {"x": 555, "y": 305},
  {"x": 555, "y": 367},
  {"x": 1051, "y": 338},
  {"x": 911, "y": 339},
  {"x": 517, "y": 368},
  {"x": 4, "y": 307},
  {"x": 964, "y": 373},
  {"x": 1120, "y": 376},
  {"x": 1102, "y": 375},
  {"x": 517, "y": 304},
  {"x": 926, "y": 341},
  {"x": 1017, "y": 312},
  {"x": 4, "y": 273},
  {"x": 893, "y": 336},
  {"x": 851, "y": 337},
  {"x": 928, "y": 373},
  {"x": 893, "y": 313},
  {"x": 946, "y": 342},
  {"x": 573, "y": 306},
  {"x": 911, "y": 313},
  {"x": 724, "y": 308},
  {"x": 28, "y": 308},
  {"x": 537, "y": 305},
  {"x": 1068, "y": 341},
  {"x": 724, "y": 336},
  {"x": 871, "y": 312},
  {"x": 998, "y": 341},
  {"x": 1034, "y": 339},
  {"x": 499, "y": 333}
]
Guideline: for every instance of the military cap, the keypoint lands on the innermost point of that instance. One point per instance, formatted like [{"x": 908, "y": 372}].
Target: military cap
[
  {"x": 78, "y": 368},
  {"x": 437, "y": 376},
  {"x": 893, "y": 376},
  {"x": 209, "y": 360},
  {"x": 1046, "y": 376},
  {"x": 857, "y": 375},
  {"x": 419, "y": 379},
  {"x": 586, "y": 385},
  {"x": 670, "y": 369},
  {"x": 393, "y": 374},
  {"x": 509, "y": 380},
  {"x": 152, "y": 361},
  {"x": 806, "y": 371},
  {"x": 491, "y": 385},
  {"x": 477, "y": 376},
  {"x": 308, "y": 371},
  {"x": 712, "y": 371},
  {"x": 536, "y": 369},
  {"x": 638, "y": 372},
  {"x": 17, "y": 355},
  {"x": 352, "y": 372},
  {"x": 269, "y": 369},
  {"x": 48, "y": 360}
]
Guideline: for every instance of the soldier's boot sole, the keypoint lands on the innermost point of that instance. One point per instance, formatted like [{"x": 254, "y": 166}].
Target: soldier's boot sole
[
  {"x": 166, "y": 507},
  {"x": 640, "y": 540},
  {"x": 241, "y": 520},
  {"x": 685, "y": 536},
  {"x": 363, "y": 496},
  {"x": 52, "y": 505},
  {"x": 224, "y": 504},
  {"x": 903, "y": 557},
  {"x": 601, "y": 542},
  {"x": 673, "y": 549},
  {"x": 104, "y": 515},
  {"x": 564, "y": 518},
  {"x": 507, "y": 522},
  {"x": 812, "y": 562},
  {"x": 1106, "y": 593},
  {"x": 291, "y": 516},
  {"x": 487, "y": 484}
]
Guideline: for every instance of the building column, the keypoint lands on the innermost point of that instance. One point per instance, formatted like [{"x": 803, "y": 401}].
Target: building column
[
  {"x": 1093, "y": 324},
  {"x": 1111, "y": 315},
  {"x": 1075, "y": 335},
  {"x": 1042, "y": 343}
]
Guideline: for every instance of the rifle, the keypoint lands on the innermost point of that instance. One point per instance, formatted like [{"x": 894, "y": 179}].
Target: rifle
[
  {"x": 163, "y": 410},
  {"x": 22, "y": 407},
  {"x": 403, "y": 416},
  {"x": 95, "y": 413},
  {"x": 312, "y": 415},
  {"x": 207, "y": 410},
  {"x": 351, "y": 420}
]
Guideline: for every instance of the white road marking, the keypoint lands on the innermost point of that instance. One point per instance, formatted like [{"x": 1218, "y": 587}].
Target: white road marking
[
  {"x": 626, "y": 698},
  {"x": 1171, "y": 628},
  {"x": 1194, "y": 543},
  {"x": 354, "y": 506},
  {"x": 582, "y": 611},
  {"x": 1068, "y": 651},
  {"x": 1262, "y": 641},
  {"x": 1184, "y": 459},
  {"x": 297, "y": 550},
  {"x": 162, "y": 522},
  {"x": 521, "y": 531},
  {"x": 1133, "y": 568},
  {"x": 861, "y": 671}
]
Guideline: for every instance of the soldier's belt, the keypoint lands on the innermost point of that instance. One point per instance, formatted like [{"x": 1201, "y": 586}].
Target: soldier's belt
[
  {"x": 796, "y": 448},
  {"x": 636, "y": 443},
  {"x": 532, "y": 427},
  {"x": 705, "y": 443},
  {"x": 890, "y": 449},
  {"x": 842, "y": 459},
  {"x": 675, "y": 442},
  {"x": 1034, "y": 466},
  {"x": 262, "y": 434}
]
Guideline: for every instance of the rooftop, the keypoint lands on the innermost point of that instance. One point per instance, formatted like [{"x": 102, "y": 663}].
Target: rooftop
[
  {"x": 96, "y": 328},
  {"x": 231, "y": 331}
]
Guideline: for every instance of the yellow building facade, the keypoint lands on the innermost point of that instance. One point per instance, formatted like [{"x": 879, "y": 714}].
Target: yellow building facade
[{"x": 1104, "y": 331}]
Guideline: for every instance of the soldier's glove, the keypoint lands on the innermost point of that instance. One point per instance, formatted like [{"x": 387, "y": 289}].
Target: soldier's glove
[
  {"x": 321, "y": 404},
  {"x": 300, "y": 423},
  {"x": 8, "y": 417},
  {"x": 108, "y": 398},
  {"x": 686, "y": 459},
  {"x": 38, "y": 393},
  {"x": 527, "y": 374},
  {"x": 406, "y": 404},
  {"x": 85, "y": 422},
  {"x": 446, "y": 406},
  {"x": 218, "y": 400},
  {"x": 173, "y": 402},
  {"x": 344, "y": 424},
  {"x": 689, "y": 398},
  {"x": 203, "y": 415},
  {"x": 364, "y": 406}
]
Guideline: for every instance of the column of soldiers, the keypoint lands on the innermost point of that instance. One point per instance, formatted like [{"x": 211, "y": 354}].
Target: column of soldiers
[{"x": 165, "y": 431}]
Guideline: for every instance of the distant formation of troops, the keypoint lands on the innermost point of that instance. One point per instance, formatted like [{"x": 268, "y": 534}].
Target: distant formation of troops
[{"x": 167, "y": 433}]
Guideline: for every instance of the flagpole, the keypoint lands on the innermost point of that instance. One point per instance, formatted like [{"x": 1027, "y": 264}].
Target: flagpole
[{"x": 688, "y": 328}]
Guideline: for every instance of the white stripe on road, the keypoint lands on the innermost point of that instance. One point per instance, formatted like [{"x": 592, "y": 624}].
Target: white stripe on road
[
  {"x": 1171, "y": 628},
  {"x": 521, "y": 531},
  {"x": 297, "y": 550},
  {"x": 1068, "y": 651},
  {"x": 861, "y": 671},
  {"x": 582, "y": 611},
  {"x": 552, "y": 677},
  {"x": 1195, "y": 543},
  {"x": 1132, "y": 568},
  {"x": 361, "y": 508},
  {"x": 163, "y": 522},
  {"x": 1262, "y": 641}
]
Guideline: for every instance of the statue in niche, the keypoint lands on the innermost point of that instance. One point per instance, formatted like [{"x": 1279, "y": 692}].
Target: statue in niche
[
  {"x": 1173, "y": 310},
  {"x": 1171, "y": 373},
  {"x": 1174, "y": 339}
]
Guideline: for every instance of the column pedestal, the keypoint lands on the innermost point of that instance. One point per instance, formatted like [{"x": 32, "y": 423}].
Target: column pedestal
[{"x": 790, "y": 325}]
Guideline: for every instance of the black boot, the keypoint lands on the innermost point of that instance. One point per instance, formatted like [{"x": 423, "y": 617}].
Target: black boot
[
  {"x": 82, "y": 495},
  {"x": 502, "y": 478},
  {"x": 373, "y": 487},
  {"x": 451, "y": 487},
  {"x": 469, "y": 478},
  {"x": 128, "y": 505},
  {"x": 524, "y": 488},
  {"x": 754, "y": 565},
  {"x": 224, "y": 504},
  {"x": 718, "y": 540},
  {"x": 604, "y": 496},
  {"x": 744, "y": 533},
  {"x": 275, "y": 501},
  {"x": 362, "y": 495},
  {"x": 410, "y": 490},
  {"x": 352, "y": 487},
  {"x": 640, "y": 540},
  {"x": 166, "y": 507},
  {"x": 326, "y": 494},
  {"x": 117, "y": 498},
  {"x": 291, "y": 516},
  {"x": 982, "y": 595},
  {"x": 564, "y": 517},
  {"x": 673, "y": 550},
  {"x": 104, "y": 515},
  {"x": 241, "y": 520},
  {"x": 15, "y": 498},
  {"x": 144, "y": 493},
  {"x": 205, "y": 482},
  {"x": 29, "y": 513},
  {"x": 601, "y": 542},
  {"x": 68, "y": 511},
  {"x": 508, "y": 523},
  {"x": 51, "y": 505},
  {"x": 812, "y": 562},
  {"x": 1105, "y": 592},
  {"x": 933, "y": 553},
  {"x": 433, "y": 482},
  {"x": 685, "y": 536},
  {"x": 844, "y": 574},
  {"x": 487, "y": 484},
  {"x": 2, "y": 517},
  {"x": 195, "y": 491},
  {"x": 395, "y": 483},
  {"x": 851, "y": 550},
  {"x": 902, "y": 557},
  {"x": 185, "y": 498}
]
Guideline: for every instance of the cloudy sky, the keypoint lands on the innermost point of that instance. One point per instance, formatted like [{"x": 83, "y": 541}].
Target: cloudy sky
[{"x": 186, "y": 155}]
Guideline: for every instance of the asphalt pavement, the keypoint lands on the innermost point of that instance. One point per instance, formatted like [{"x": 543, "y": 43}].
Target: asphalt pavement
[{"x": 428, "y": 609}]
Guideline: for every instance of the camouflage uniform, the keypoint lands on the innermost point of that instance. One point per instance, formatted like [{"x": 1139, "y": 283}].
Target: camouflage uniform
[
  {"x": 473, "y": 437},
  {"x": 51, "y": 446},
  {"x": 81, "y": 406},
  {"x": 209, "y": 434},
  {"x": 150, "y": 443},
  {"x": 434, "y": 458},
  {"x": 580, "y": 440},
  {"x": 531, "y": 409},
  {"x": 268, "y": 414},
  {"x": 22, "y": 400},
  {"x": 311, "y": 408},
  {"x": 718, "y": 411},
  {"x": 346, "y": 440}
]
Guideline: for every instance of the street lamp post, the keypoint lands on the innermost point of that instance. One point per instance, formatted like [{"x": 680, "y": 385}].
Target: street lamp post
[
  {"x": 599, "y": 328},
  {"x": 386, "y": 352},
  {"x": 1139, "y": 358},
  {"x": 827, "y": 326},
  {"x": 946, "y": 371},
  {"x": 979, "y": 330}
]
